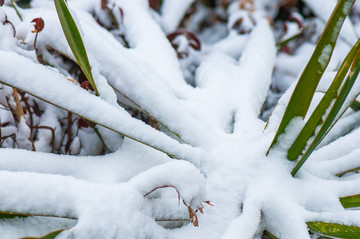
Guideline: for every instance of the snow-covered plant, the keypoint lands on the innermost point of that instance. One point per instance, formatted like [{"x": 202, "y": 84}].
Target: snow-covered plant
[{"x": 150, "y": 119}]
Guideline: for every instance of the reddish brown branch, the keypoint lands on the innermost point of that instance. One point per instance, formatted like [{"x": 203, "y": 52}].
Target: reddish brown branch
[
  {"x": 52, "y": 142},
  {"x": 69, "y": 132},
  {"x": 27, "y": 108},
  {"x": 192, "y": 213},
  {"x": 18, "y": 112},
  {"x": 165, "y": 186}
]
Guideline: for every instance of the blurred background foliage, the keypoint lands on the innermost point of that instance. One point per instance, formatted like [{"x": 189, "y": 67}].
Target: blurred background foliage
[{"x": 23, "y": 3}]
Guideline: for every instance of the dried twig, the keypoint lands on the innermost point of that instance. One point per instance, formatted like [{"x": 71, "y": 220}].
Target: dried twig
[
  {"x": 52, "y": 142},
  {"x": 165, "y": 186},
  {"x": 69, "y": 132},
  {"x": 192, "y": 213},
  {"x": 18, "y": 113}
]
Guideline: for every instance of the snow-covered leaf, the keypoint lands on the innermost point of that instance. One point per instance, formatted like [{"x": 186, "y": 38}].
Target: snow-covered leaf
[
  {"x": 51, "y": 235},
  {"x": 74, "y": 39},
  {"x": 303, "y": 93},
  {"x": 334, "y": 229}
]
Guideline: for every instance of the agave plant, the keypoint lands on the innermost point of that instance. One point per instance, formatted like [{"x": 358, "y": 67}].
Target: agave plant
[{"x": 148, "y": 119}]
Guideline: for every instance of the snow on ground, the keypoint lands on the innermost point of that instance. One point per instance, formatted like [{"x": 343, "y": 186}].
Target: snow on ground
[{"x": 212, "y": 147}]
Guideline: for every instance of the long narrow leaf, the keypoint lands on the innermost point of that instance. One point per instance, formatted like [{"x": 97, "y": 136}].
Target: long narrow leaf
[
  {"x": 316, "y": 118},
  {"x": 350, "y": 201},
  {"x": 348, "y": 171},
  {"x": 9, "y": 215},
  {"x": 333, "y": 114},
  {"x": 75, "y": 41},
  {"x": 334, "y": 229},
  {"x": 355, "y": 105},
  {"x": 51, "y": 235},
  {"x": 269, "y": 235},
  {"x": 14, "y": 5},
  {"x": 284, "y": 42},
  {"x": 304, "y": 91}
]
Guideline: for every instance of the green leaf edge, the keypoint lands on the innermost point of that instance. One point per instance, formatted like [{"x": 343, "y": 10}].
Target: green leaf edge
[
  {"x": 347, "y": 171},
  {"x": 74, "y": 40},
  {"x": 355, "y": 106},
  {"x": 9, "y": 215},
  {"x": 350, "y": 201},
  {"x": 50, "y": 235},
  {"x": 13, "y": 4},
  {"x": 284, "y": 42},
  {"x": 268, "y": 234},
  {"x": 334, "y": 229}
]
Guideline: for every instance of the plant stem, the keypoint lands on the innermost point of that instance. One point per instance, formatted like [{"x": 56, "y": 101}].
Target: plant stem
[{"x": 13, "y": 4}]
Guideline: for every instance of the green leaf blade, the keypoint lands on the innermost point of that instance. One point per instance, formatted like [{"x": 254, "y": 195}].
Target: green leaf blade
[
  {"x": 350, "y": 201},
  {"x": 315, "y": 119},
  {"x": 74, "y": 39},
  {"x": 10, "y": 215},
  {"x": 355, "y": 106},
  {"x": 347, "y": 171},
  {"x": 51, "y": 235},
  {"x": 334, "y": 229},
  {"x": 333, "y": 115},
  {"x": 304, "y": 91}
]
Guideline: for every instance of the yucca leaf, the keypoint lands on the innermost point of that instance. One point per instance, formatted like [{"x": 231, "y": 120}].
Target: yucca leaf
[
  {"x": 75, "y": 41},
  {"x": 333, "y": 115},
  {"x": 284, "y": 42},
  {"x": 304, "y": 91},
  {"x": 269, "y": 235},
  {"x": 51, "y": 235},
  {"x": 9, "y": 215},
  {"x": 350, "y": 201},
  {"x": 16, "y": 9},
  {"x": 348, "y": 171},
  {"x": 316, "y": 117},
  {"x": 334, "y": 229},
  {"x": 355, "y": 105}
]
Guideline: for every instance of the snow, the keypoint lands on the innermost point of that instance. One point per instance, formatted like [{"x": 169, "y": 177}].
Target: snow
[
  {"x": 246, "y": 22},
  {"x": 49, "y": 118},
  {"x": 107, "y": 169},
  {"x": 121, "y": 119},
  {"x": 325, "y": 55},
  {"x": 34, "y": 226},
  {"x": 8, "y": 130},
  {"x": 23, "y": 134},
  {"x": 323, "y": 9},
  {"x": 2, "y": 16},
  {"x": 143, "y": 174},
  {"x": 172, "y": 13}
]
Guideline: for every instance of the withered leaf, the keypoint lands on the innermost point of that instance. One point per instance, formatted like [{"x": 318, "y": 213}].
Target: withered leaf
[{"x": 39, "y": 24}]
